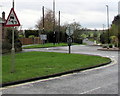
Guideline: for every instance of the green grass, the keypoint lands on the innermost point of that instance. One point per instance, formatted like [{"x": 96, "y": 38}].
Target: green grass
[
  {"x": 46, "y": 45},
  {"x": 36, "y": 64}
]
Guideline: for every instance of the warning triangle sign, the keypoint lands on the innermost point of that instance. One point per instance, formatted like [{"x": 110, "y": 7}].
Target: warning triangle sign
[{"x": 12, "y": 19}]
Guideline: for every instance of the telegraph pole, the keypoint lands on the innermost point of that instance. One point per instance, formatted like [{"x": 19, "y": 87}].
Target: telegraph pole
[
  {"x": 54, "y": 37},
  {"x": 59, "y": 29},
  {"x": 43, "y": 18},
  {"x": 43, "y": 24}
]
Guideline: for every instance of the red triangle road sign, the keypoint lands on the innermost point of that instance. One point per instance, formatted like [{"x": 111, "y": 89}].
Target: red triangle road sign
[{"x": 12, "y": 19}]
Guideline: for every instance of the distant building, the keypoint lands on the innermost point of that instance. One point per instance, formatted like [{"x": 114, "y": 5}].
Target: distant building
[{"x": 119, "y": 8}]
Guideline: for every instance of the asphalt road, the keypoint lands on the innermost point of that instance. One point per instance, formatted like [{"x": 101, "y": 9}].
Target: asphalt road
[{"x": 103, "y": 80}]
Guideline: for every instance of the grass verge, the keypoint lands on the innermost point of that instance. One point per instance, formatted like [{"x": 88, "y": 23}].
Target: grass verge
[
  {"x": 36, "y": 64},
  {"x": 47, "y": 45}
]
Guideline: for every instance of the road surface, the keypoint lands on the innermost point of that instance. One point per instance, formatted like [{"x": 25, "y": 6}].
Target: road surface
[{"x": 103, "y": 80}]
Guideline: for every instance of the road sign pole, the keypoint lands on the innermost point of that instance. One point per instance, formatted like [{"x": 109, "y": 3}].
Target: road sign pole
[
  {"x": 12, "y": 21},
  {"x": 13, "y": 52},
  {"x": 69, "y": 49},
  {"x": 69, "y": 32},
  {"x": 69, "y": 42}
]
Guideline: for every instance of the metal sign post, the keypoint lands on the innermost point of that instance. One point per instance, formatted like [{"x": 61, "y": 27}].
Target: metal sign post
[
  {"x": 69, "y": 40},
  {"x": 69, "y": 32},
  {"x": 12, "y": 21},
  {"x": 13, "y": 52}
]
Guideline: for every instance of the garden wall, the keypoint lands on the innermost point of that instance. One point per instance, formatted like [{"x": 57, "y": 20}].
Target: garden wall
[{"x": 26, "y": 41}]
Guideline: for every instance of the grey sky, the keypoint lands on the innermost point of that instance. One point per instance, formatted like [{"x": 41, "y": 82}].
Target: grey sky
[{"x": 89, "y": 13}]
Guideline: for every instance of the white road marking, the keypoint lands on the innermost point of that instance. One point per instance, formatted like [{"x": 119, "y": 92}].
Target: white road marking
[
  {"x": 85, "y": 92},
  {"x": 90, "y": 90},
  {"x": 32, "y": 82}
]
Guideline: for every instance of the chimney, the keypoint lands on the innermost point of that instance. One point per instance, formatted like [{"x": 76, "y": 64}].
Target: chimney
[{"x": 3, "y": 16}]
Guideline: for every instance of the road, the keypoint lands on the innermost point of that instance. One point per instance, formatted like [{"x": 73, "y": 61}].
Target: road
[{"x": 102, "y": 80}]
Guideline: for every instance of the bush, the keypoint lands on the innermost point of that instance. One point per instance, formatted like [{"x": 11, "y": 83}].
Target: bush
[
  {"x": 31, "y": 32},
  {"x": 110, "y": 45},
  {"x": 79, "y": 41},
  {"x": 31, "y": 36},
  {"x": 21, "y": 36},
  {"x": 7, "y": 43},
  {"x": 6, "y": 47},
  {"x": 18, "y": 46}
]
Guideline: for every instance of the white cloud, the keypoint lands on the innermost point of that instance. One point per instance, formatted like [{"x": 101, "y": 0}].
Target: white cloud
[
  {"x": 90, "y": 13},
  {"x": 28, "y": 18}
]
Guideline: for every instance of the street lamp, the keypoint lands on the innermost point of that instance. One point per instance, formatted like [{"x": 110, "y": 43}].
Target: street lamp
[{"x": 108, "y": 23}]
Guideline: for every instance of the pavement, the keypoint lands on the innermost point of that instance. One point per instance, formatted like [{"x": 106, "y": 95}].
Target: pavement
[
  {"x": 102, "y": 80},
  {"x": 109, "y": 49}
]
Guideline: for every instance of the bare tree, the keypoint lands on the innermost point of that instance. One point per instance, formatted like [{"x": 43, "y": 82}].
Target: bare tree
[{"x": 48, "y": 22}]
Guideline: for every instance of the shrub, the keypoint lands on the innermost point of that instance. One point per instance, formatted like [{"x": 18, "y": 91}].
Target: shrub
[
  {"x": 31, "y": 36},
  {"x": 21, "y": 36},
  {"x": 31, "y": 32},
  {"x": 6, "y": 47},
  {"x": 79, "y": 41},
  {"x": 110, "y": 45},
  {"x": 7, "y": 43}
]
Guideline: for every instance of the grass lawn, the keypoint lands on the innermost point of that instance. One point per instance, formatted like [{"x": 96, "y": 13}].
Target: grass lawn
[
  {"x": 36, "y": 64},
  {"x": 47, "y": 45}
]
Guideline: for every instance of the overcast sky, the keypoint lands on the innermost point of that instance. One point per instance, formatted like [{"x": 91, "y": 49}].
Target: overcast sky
[{"x": 89, "y": 13}]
